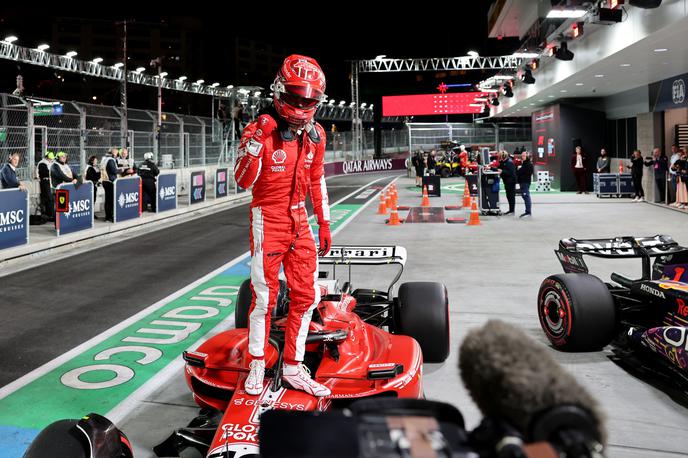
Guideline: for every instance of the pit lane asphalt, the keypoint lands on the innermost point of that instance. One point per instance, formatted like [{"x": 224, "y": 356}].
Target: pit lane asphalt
[{"x": 52, "y": 308}]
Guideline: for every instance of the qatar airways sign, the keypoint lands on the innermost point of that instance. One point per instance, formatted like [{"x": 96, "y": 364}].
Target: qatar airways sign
[
  {"x": 433, "y": 104},
  {"x": 364, "y": 166}
]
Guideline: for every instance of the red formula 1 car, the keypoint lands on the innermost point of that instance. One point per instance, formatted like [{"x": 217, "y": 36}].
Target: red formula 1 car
[{"x": 361, "y": 343}]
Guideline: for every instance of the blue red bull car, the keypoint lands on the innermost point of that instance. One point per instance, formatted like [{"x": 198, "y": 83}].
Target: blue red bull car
[{"x": 647, "y": 315}]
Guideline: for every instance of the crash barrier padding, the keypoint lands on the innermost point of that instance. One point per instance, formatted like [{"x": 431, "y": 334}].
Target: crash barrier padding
[
  {"x": 197, "y": 187},
  {"x": 221, "y": 183},
  {"x": 166, "y": 192},
  {"x": 128, "y": 199},
  {"x": 433, "y": 184},
  {"x": 79, "y": 214},
  {"x": 613, "y": 184},
  {"x": 14, "y": 218},
  {"x": 364, "y": 166}
]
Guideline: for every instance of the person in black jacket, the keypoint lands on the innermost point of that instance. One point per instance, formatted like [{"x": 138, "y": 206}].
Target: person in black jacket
[
  {"x": 507, "y": 172},
  {"x": 637, "y": 175},
  {"x": 524, "y": 176},
  {"x": 148, "y": 172},
  {"x": 660, "y": 164},
  {"x": 43, "y": 172},
  {"x": 93, "y": 175},
  {"x": 419, "y": 165},
  {"x": 60, "y": 172},
  {"x": 579, "y": 167},
  {"x": 108, "y": 177}
]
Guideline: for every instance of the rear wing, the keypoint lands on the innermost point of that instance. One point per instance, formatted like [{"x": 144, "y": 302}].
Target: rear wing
[
  {"x": 366, "y": 255},
  {"x": 571, "y": 250}
]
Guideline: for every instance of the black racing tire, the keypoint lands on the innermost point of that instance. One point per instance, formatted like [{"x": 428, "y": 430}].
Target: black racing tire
[
  {"x": 576, "y": 312},
  {"x": 445, "y": 172},
  {"x": 243, "y": 303},
  {"x": 60, "y": 438},
  {"x": 422, "y": 311}
]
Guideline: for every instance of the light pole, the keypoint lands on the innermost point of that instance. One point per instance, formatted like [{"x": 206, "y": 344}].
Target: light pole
[{"x": 157, "y": 63}]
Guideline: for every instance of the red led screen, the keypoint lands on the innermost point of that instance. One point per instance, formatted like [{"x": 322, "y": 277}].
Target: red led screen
[{"x": 432, "y": 104}]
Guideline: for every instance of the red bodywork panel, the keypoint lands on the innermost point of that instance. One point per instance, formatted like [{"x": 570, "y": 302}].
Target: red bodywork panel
[{"x": 219, "y": 384}]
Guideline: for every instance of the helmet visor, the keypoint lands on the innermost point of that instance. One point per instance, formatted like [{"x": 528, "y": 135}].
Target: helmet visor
[{"x": 298, "y": 101}]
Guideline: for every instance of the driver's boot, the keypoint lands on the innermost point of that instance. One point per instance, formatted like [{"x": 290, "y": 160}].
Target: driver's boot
[
  {"x": 254, "y": 382},
  {"x": 298, "y": 377}
]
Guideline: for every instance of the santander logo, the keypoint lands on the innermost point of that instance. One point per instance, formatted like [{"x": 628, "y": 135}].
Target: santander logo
[{"x": 279, "y": 156}]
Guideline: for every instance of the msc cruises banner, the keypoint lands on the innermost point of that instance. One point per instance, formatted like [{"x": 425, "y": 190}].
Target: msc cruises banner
[
  {"x": 14, "y": 218},
  {"x": 166, "y": 191},
  {"x": 80, "y": 214},
  {"x": 127, "y": 198}
]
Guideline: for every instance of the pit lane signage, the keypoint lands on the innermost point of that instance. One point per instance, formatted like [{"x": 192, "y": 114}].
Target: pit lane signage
[
  {"x": 221, "y": 183},
  {"x": 127, "y": 198},
  {"x": 14, "y": 218},
  {"x": 197, "y": 187},
  {"x": 79, "y": 214},
  {"x": 366, "y": 166},
  {"x": 166, "y": 191}
]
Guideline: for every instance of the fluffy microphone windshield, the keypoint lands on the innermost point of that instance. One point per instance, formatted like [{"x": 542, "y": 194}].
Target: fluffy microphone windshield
[{"x": 512, "y": 377}]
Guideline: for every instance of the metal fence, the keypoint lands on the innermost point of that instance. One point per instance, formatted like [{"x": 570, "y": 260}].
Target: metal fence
[{"x": 427, "y": 136}]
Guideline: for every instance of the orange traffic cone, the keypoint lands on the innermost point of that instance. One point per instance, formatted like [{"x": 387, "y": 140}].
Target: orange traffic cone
[
  {"x": 394, "y": 217},
  {"x": 388, "y": 198},
  {"x": 382, "y": 208},
  {"x": 466, "y": 196},
  {"x": 474, "y": 219},
  {"x": 426, "y": 199}
]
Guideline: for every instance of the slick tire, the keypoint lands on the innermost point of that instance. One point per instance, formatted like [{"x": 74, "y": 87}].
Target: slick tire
[
  {"x": 576, "y": 312},
  {"x": 243, "y": 303},
  {"x": 422, "y": 312}
]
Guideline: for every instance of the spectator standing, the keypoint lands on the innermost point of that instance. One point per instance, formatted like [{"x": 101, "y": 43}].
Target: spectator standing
[
  {"x": 43, "y": 172},
  {"x": 681, "y": 167},
  {"x": 603, "y": 164},
  {"x": 60, "y": 171},
  {"x": 579, "y": 167},
  {"x": 93, "y": 175},
  {"x": 507, "y": 172},
  {"x": 524, "y": 176},
  {"x": 148, "y": 172},
  {"x": 108, "y": 176},
  {"x": 675, "y": 156},
  {"x": 432, "y": 163},
  {"x": 125, "y": 165},
  {"x": 636, "y": 166},
  {"x": 660, "y": 164},
  {"x": 8, "y": 173},
  {"x": 418, "y": 164}
]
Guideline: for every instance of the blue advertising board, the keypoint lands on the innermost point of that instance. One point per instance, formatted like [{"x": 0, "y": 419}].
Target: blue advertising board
[
  {"x": 14, "y": 218},
  {"x": 221, "y": 183},
  {"x": 127, "y": 198},
  {"x": 197, "y": 187},
  {"x": 669, "y": 93},
  {"x": 166, "y": 190},
  {"x": 80, "y": 214}
]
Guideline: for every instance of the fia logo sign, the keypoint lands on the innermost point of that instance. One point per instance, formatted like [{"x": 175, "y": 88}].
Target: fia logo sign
[{"x": 678, "y": 91}]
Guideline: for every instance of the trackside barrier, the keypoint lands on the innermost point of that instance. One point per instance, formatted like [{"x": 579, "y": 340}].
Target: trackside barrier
[
  {"x": 80, "y": 214},
  {"x": 197, "y": 187},
  {"x": 128, "y": 201},
  {"x": 14, "y": 218},
  {"x": 166, "y": 192},
  {"x": 221, "y": 183}
]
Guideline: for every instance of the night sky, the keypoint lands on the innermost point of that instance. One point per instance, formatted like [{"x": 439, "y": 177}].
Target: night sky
[{"x": 335, "y": 37}]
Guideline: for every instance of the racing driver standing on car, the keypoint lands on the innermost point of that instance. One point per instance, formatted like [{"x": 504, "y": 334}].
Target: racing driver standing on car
[{"x": 281, "y": 155}]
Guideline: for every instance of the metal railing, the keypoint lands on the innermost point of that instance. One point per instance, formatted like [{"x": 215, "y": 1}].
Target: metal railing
[
  {"x": 35, "y": 126},
  {"x": 427, "y": 136}
]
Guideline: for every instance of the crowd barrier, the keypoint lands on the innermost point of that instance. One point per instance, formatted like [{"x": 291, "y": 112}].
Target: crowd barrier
[
  {"x": 80, "y": 214},
  {"x": 14, "y": 218}
]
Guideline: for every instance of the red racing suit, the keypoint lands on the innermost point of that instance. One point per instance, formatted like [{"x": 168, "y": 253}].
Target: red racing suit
[{"x": 283, "y": 166}]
